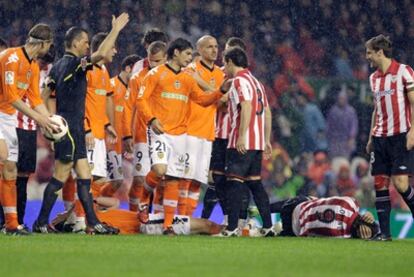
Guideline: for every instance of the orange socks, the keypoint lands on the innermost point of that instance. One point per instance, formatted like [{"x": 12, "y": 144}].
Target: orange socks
[
  {"x": 151, "y": 182},
  {"x": 9, "y": 202},
  {"x": 157, "y": 202},
  {"x": 184, "y": 186},
  {"x": 193, "y": 195},
  {"x": 170, "y": 201}
]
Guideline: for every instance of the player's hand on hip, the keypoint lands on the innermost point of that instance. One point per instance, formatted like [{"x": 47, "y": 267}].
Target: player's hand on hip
[
  {"x": 410, "y": 140},
  {"x": 156, "y": 127},
  {"x": 268, "y": 151},
  {"x": 118, "y": 23},
  {"x": 129, "y": 145},
  {"x": 241, "y": 145},
  {"x": 90, "y": 141},
  {"x": 111, "y": 134}
]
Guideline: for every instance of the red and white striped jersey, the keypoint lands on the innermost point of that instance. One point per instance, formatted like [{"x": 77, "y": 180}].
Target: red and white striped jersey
[
  {"x": 222, "y": 125},
  {"x": 332, "y": 217},
  {"x": 23, "y": 121},
  {"x": 246, "y": 87},
  {"x": 140, "y": 65},
  {"x": 390, "y": 95}
]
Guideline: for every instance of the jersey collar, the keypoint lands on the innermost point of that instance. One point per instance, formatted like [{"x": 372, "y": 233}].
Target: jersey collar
[
  {"x": 122, "y": 82},
  {"x": 241, "y": 72},
  {"x": 26, "y": 55},
  {"x": 172, "y": 69},
  {"x": 70, "y": 54},
  {"x": 211, "y": 69},
  {"x": 392, "y": 69}
]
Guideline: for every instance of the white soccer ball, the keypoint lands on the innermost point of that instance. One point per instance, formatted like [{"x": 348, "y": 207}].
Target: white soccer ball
[{"x": 62, "y": 129}]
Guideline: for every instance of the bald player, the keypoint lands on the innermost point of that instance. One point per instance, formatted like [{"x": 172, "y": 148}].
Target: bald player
[{"x": 201, "y": 127}]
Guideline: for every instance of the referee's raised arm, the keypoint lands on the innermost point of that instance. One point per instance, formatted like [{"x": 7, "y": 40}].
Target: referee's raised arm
[{"x": 118, "y": 24}]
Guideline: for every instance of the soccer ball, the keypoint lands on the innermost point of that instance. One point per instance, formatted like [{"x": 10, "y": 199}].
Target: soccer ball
[{"x": 62, "y": 129}]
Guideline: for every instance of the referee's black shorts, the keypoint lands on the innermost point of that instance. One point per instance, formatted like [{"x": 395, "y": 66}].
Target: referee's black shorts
[
  {"x": 391, "y": 157},
  {"x": 72, "y": 147},
  {"x": 27, "y": 140}
]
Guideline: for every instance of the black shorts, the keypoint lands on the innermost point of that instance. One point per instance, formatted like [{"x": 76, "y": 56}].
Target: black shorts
[
  {"x": 72, "y": 147},
  {"x": 243, "y": 166},
  {"x": 27, "y": 150},
  {"x": 218, "y": 155},
  {"x": 391, "y": 157}
]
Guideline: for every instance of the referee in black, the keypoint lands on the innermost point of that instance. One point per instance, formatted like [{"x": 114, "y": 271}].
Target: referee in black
[{"x": 68, "y": 80}]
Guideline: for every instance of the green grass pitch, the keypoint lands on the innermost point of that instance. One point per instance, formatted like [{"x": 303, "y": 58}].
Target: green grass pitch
[{"x": 79, "y": 255}]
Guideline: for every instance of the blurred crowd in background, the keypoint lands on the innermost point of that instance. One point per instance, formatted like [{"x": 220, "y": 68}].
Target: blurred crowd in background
[{"x": 320, "y": 127}]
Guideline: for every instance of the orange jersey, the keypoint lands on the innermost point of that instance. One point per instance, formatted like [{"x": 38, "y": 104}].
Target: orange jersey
[
  {"x": 165, "y": 95},
  {"x": 19, "y": 76},
  {"x": 120, "y": 95},
  {"x": 125, "y": 221},
  {"x": 140, "y": 124},
  {"x": 201, "y": 122},
  {"x": 98, "y": 89}
]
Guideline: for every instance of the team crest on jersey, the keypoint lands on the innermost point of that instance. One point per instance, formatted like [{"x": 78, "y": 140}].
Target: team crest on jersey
[
  {"x": 28, "y": 74},
  {"x": 126, "y": 94},
  {"x": 177, "y": 84},
  {"x": 138, "y": 167},
  {"x": 326, "y": 216},
  {"x": 160, "y": 155},
  {"x": 9, "y": 77},
  {"x": 181, "y": 159},
  {"x": 213, "y": 82},
  {"x": 394, "y": 78},
  {"x": 13, "y": 58}
]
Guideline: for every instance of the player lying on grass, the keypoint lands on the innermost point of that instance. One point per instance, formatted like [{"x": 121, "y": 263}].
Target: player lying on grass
[
  {"x": 127, "y": 223},
  {"x": 325, "y": 217}
]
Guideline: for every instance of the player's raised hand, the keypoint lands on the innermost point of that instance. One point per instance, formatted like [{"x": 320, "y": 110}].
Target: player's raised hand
[
  {"x": 156, "y": 127},
  {"x": 118, "y": 23},
  {"x": 111, "y": 134}
]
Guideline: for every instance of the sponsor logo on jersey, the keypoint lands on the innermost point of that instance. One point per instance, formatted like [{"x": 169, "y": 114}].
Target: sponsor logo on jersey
[{"x": 9, "y": 77}]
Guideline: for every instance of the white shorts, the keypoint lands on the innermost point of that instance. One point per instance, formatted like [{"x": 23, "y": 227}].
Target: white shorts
[
  {"x": 198, "y": 163},
  {"x": 181, "y": 225},
  {"x": 97, "y": 159},
  {"x": 114, "y": 166},
  {"x": 142, "y": 163},
  {"x": 8, "y": 125},
  {"x": 169, "y": 150}
]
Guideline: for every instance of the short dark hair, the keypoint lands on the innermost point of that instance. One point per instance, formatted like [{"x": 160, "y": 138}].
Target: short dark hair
[
  {"x": 72, "y": 34},
  {"x": 380, "y": 42},
  {"x": 237, "y": 56},
  {"x": 3, "y": 43},
  {"x": 179, "y": 44},
  {"x": 156, "y": 47},
  {"x": 235, "y": 41},
  {"x": 130, "y": 61},
  {"x": 97, "y": 40},
  {"x": 152, "y": 35},
  {"x": 40, "y": 33}
]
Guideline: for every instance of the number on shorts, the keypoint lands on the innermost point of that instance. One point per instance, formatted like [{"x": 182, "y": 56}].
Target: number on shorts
[
  {"x": 160, "y": 146},
  {"x": 139, "y": 156},
  {"x": 90, "y": 152}
]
